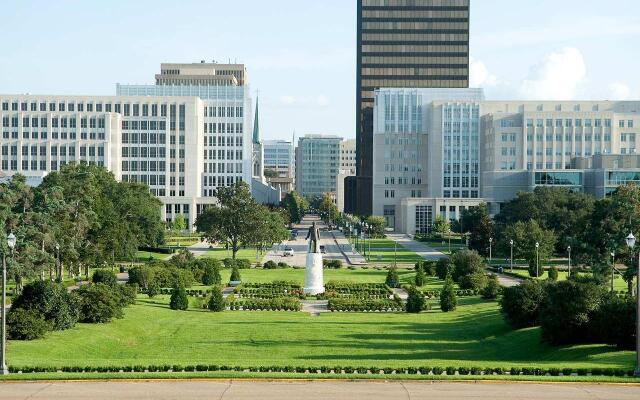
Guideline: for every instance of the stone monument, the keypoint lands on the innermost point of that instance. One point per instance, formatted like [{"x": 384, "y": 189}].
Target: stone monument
[{"x": 313, "y": 277}]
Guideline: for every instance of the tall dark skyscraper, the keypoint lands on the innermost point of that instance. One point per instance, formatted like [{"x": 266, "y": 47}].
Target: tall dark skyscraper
[{"x": 403, "y": 44}]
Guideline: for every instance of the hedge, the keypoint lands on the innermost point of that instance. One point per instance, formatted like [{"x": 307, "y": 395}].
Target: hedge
[
  {"x": 359, "y": 305},
  {"x": 326, "y": 369},
  {"x": 190, "y": 292},
  {"x": 276, "y": 304},
  {"x": 159, "y": 250}
]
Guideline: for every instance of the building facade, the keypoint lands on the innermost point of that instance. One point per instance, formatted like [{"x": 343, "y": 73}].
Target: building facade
[
  {"x": 347, "y": 169},
  {"x": 404, "y": 43},
  {"x": 279, "y": 158},
  {"x": 442, "y": 151},
  {"x": 183, "y": 137},
  {"x": 317, "y": 164}
]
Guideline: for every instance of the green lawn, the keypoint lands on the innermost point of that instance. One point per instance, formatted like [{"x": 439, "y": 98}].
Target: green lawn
[
  {"x": 385, "y": 251},
  {"x": 144, "y": 256},
  {"x": 618, "y": 283},
  {"x": 221, "y": 254},
  {"x": 151, "y": 333}
]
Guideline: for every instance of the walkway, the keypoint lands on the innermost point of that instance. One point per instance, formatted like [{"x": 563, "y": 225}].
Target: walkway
[
  {"x": 314, "y": 307},
  {"x": 312, "y": 390},
  {"x": 419, "y": 248}
]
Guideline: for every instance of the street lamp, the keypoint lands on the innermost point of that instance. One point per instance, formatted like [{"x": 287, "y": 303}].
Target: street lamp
[
  {"x": 569, "y": 251},
  {"x": 11, "y": 243},
  {"x": 511, "y": 244},
  {"x": 449, "y": 233},
  {"x": 58, "y": 270},
  {"x": 490, "y": 242},
  {"x": 613, "y": 268},
  {"x": 537, "y": 260},
  {"x": 631, "y": 242}
]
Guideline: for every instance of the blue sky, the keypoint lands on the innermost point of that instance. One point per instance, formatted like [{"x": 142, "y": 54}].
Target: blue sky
[{"x": 301, "y": 53}]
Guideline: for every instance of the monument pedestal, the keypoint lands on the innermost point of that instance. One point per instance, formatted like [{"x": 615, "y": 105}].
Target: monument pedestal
[{"x": 314, "y": 274}]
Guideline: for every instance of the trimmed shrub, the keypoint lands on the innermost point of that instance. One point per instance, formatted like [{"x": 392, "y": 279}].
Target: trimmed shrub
[
  {"x": 332, "y": 264},
  {"x": 614, "y": 322},
  {"x": 521, "y": 304},
  {"x": 126, "y": 294},
  {"x": 419, "y": 280},
  {"x": 26, "y": 325},
  {"x": 444, "y": 268},
  {"x": 153, "y": 290},
  {"x": 211, "y": 273},
  {"x": 566, "y": 309},
  {"x": 492, "y": 290},
  {"x": 392, "y": 280},
  {"x": 98, "y": 303},
  {"x": 270, "y": 265},
  {"x": 474, "y": 281},
  {"x": 466, "y": 262},
  {"x": 105, "y": 277},
  {"x": 535, "y": 271},
  {"x": 179, "y": 299},
  {"x": 216, "y": 301},
  {"x": 235, "y": 275},
  {"x": 448, "y": 301},
  {"x": 553, "y": 274},
  {"x": 51, "y": 301},
  {"x": 415, "y": 301}
]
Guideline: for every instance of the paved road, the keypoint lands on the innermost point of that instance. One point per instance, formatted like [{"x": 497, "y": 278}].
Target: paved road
[{"x": 312, "y": 390}]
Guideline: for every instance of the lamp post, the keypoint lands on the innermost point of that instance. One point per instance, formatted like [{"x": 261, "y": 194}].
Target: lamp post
[
  {"x": 58, "y": 269},
  {"x": 449, "y": 233},
  {"x": 631, "y": 242},
  {"x": 511, "y": 262},
  {"x": 537, "y": 260},
  {"x": 613, "y": 268},
  {"x": 11, "y": 243},
  {"x": 490, "y": 243},
  {"x": 569, "y": 251}
]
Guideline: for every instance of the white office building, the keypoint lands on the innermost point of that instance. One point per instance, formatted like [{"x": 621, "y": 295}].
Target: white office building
[
  {"x": 185, "y": 136},
  {"x": 440, "y": 151}
]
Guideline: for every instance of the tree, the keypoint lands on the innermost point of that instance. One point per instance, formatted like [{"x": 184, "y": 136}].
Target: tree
[
  {"x": 392, "y": 280},
  {"x": 106, "y": 277},
  {"x": 216, "y": 301},
  {"x": 26, "y": 325},
  {"x": 415, "y": 301},
  {"x": 295, "y": 206},
  {"x": 478, "y": 223},
  {"x": 268, "y": 228},
  {"x": 179, "y": 299},
  {"x": 235, "y": 274},
  {"x": 441, "y": 225},
  {"x": 525, "y": 235},
  {"x": 98, "y": 303},
  {"x": 232, "y": 220},
  {"x": 553, "y": 274},
  {"x": 521, "y": 304},
  {"x": 419, "y": 280},
  {"x": 179, "y": 223},
  {"x": 328, "y": 210},
  {"x": 560, "y": 210},
  {"x": 448, "y": 300},
  {"x": 377, "y": 225},
  {"x": 444, "y": 268},
  {"x": 51, "y": 301},
  {"x": 269, "y": 173},
  {"x": 468, "y": 270}
]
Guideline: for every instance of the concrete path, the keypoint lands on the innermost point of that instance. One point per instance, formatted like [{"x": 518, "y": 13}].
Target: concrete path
[
  {"x": 199, "y": 249},
  {"x": 314, "y": 307},
  {"x": 506, "y": 280},
  {"x": 401, "y": 293},
  {"x": 419, "y": 248},
  {"x": 352, "y": 256},
  {"x": 312, "y": 390}
]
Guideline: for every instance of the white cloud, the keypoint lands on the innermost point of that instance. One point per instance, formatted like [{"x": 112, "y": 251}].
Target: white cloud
[
  {"x": 619, "y": 91},
  {"x": 322, "y": 100},
  {"x": 288, "y": 100},
  {"x": 479, "y": 75},
  {"x": 557, "y": 77}
]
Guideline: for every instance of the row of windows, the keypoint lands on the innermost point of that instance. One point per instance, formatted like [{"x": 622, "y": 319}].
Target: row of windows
[
  {"x": 136, "y": 110},
  {"x": 402, "y": 181},
  {"x": 578, "y": 137},
  {"x": 147, "y": 152},
  {"x": 464, "y": 181},
  {"x": 465, "y": 194},
  {"x": 63, "y": 122},
  {"x": 152, "y": 166},
  {"x": 223, "y": 112},
  {"x": 569, "y": 123},
  {"x": 223, "y": 168},
  {"x": 466, "y": 168},
  {"x": 53, "y": 151},
  {"x": 211, "y": 155},
  {"x": 223, "y": 128},
  {"x": 55, "y": 135}
]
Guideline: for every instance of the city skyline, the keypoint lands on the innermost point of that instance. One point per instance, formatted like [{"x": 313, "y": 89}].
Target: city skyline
[{"x": 550, "y": 55}]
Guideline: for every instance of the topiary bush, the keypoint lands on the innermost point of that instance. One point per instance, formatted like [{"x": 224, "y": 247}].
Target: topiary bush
[
  {"x": 392, "y": 280},
  {"x": 419, "y": 279},
  {"x": 270, "y": 265},
  {"x": 415, "y": 301},
  {"x": 179, "y": 299},
  {"x": 492, "y": 290},
  {"x": 25, "y": 324},
  {"x": 153, "y": 290},
  {"x": 98, "y": 303},
  {"x": 448, "y": 300},
  {"x": 553, "y": 274},
  {"x": 235, "y": 275},
  {"x": 105, "y": 277},
  {"x": 444, "y": 268},
  {"x": 216, "y": 301},
  {"x": 211, "y": 273}
]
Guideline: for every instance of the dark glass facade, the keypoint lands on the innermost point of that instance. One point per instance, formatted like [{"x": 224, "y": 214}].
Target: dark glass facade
[{"x": 404, "y": 44}]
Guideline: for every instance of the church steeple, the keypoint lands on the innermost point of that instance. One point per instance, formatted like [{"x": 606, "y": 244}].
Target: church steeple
[{"x": 256, "y": 123}]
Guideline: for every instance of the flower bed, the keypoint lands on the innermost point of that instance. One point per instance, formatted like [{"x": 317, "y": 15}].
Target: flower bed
[
  {"x": 275, "y": 304},
  {"x": 359, "y": 305}
]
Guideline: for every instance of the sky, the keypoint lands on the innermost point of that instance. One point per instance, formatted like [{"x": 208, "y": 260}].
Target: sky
[{"x": 301, "y": 54}]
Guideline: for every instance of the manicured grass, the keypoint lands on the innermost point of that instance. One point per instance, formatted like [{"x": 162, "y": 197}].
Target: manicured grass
[
  {"x": 144, "y": 256},
  {"x": 221, "y": 254},
  {"x": 618, "y": 283},
  {"x": 181, "y": 241},
  {"x": 151, "y": 333},
  {"x": 358, "y": 275},
  {"x": 388, "y": 252}
]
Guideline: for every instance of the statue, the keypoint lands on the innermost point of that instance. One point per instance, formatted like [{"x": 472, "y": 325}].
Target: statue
[{"x": 314, "y": 234}]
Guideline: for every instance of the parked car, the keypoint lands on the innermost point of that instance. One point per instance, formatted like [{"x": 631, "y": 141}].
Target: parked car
[
  {"x": 323, "y": 249},
  {"x": 288, "y": 252}
]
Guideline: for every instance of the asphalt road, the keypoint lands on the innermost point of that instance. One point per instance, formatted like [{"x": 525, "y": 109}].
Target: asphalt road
[{"x": 312, "y": 390}]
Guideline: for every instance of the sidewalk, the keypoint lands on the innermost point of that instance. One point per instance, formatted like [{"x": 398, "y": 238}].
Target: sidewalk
[
  {"x": 352, "y": 256},
  {"x": 419, "y": 248}
]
